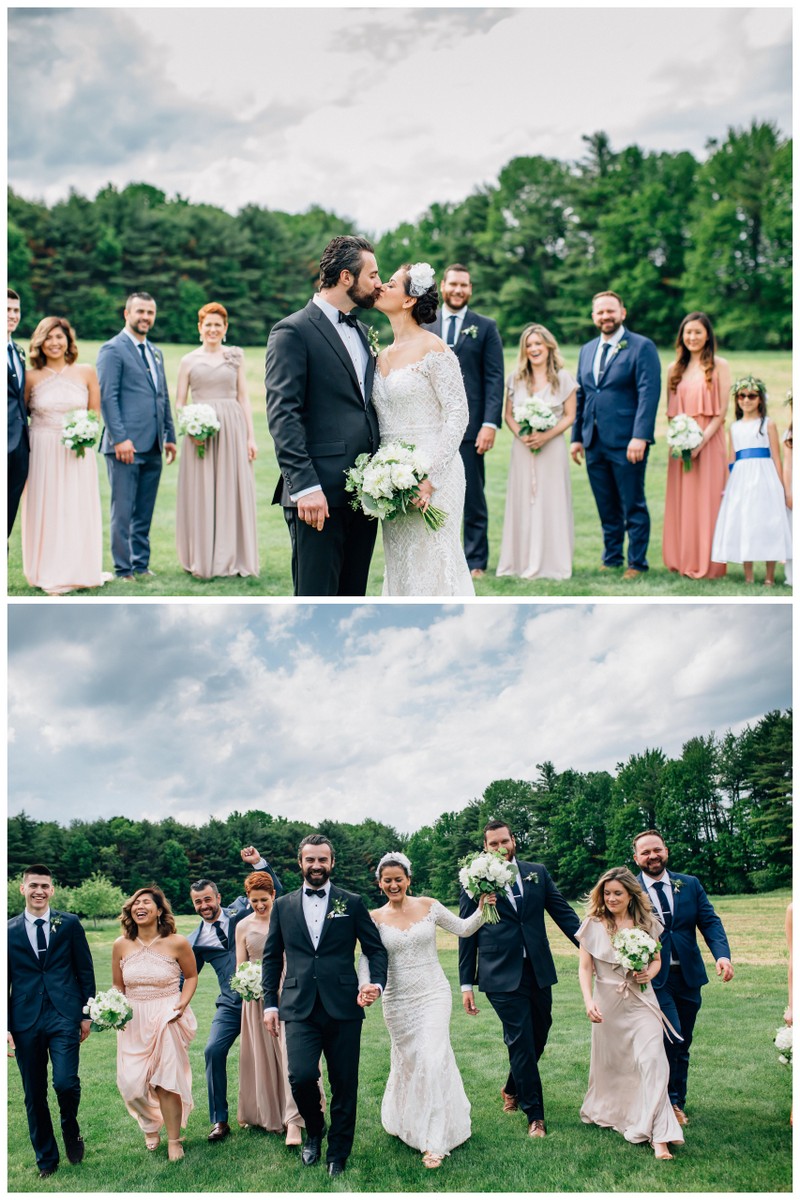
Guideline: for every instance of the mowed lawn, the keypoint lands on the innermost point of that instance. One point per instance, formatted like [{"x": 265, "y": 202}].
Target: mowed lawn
[
  {"x": 275, "y": 576},
  {"x": 738, "y": 1139}
]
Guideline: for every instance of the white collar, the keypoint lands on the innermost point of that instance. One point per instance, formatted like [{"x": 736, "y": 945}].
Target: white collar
[
  {"x": 330, "y": 310},
  {"x": 449, "y": 312},
  {"x": 662, "y": 878},
  {"x": 31, "y": 917},
  {"x": 616, "y": 336},
  {"x": 135, "y": 340}
]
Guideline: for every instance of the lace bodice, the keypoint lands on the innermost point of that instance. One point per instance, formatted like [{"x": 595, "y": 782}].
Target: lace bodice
[
  {"x": 53, "y": 397},
  {"x": 213, "y": 377},
  {"x": 413, "y": 951},
  {"x": 149, "y": 975},
  {"x": 424, "y": 404}
]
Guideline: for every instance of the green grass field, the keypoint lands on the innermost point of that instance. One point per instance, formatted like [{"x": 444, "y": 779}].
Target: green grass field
[
  {"x": 738, "y": 1139},
  {"x": 275, "y": 578}
]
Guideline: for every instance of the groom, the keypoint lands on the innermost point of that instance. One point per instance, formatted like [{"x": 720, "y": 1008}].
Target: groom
[
  {"x": 316, "y": 928},
  {"x": 319, "y": 374}
]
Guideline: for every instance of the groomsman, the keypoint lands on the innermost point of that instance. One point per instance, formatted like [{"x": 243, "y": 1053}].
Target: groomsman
[
  {"x": 18, "y": 441},
  {"x": 684, "y": 907},
  {"x": 134, "y": 402},
  {"x": 619, "y": 384},
  {"x": 214, "y": 942},
  {"x": 50, "y": 979},
  {"x": 476, "y": 342},
  {"x": 514, "y": 967}
]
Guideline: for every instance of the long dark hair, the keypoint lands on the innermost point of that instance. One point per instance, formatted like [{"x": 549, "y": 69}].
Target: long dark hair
[
  {"x": 166, "y": 922},
  {"x": 682, "y": 355}
]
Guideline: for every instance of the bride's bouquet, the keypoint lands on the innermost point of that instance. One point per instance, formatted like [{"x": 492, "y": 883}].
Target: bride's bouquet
[
  {"x": 200, "y": 422},
  {"x": 80, "y": 429},
  {"x": 534, "y": 416},
  {"x": 635, "y": 950},
  {"x": 683, "y": 436},
  {"x": 108, "y": 1010},
  {"x": 484, "y": 873},
  {"x": 783, "y": 1041},
  {"x": 247, "y": 981},
  {"x": 385, "y": 483}
]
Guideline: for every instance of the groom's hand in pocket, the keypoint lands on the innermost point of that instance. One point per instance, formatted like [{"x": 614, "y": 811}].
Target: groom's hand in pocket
[{"x": 313, "y": 509}]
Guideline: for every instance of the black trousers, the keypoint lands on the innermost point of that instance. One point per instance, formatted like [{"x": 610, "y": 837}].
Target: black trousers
[
  {"x": 680, "y": 1004},
  {"x": 18, "y": 459},
  {"x": 340, "y": 1042},
  {"x": 333, "y": 561},
  {"x": 527, "y": 1015},
  {"x": 55, "y": 1037}
]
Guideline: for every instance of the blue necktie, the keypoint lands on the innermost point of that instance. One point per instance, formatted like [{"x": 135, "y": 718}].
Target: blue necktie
[
  {"x": 12, "y": 363},
  {"x": 451, "y": 333},
  {"x": 41, "y": 941},
  {"x": 666, "y": 911},
  {"x": 603, "y": 357},
  {"x": 146, "y": 363},
  {"x": 221, "y": 934}
]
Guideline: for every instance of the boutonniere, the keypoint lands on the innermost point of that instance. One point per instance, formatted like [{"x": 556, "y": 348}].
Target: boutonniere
[
  {"x": 621, "y": 345},
  {"x": 677, "y": 884},
  {"x": 532, "y": 877},
  {"x": 55, "y": 922},
  {"x": 230, "y": 912},
  {"x": 470, "y": 331},
  {"x": 338, "y": 909},
  {"x": 372, "y": 339}
]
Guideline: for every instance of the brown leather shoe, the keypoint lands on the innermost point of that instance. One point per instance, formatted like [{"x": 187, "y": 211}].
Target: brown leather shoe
[
  {"x": 510, "y": 1103},
  {"x": 219, "y": 1131},
  {"x": 680, "y": 1115},
  {"x": 631, "y": 573},
  {"x": 536, "y": 1129},
  {"x": 477, "y": 572}
]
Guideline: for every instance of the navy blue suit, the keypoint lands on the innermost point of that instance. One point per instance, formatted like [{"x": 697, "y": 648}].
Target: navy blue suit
[
  {"x": 513, "y": 965},
  {"x": 18, "y": 439},
  {"x": 134, "y": 406},
  {"x": 482, "y": 368},
  {"x": 46, "y": 995},
  {"x": 678, "y": 986},
  {"x": 621, "y": 406}
]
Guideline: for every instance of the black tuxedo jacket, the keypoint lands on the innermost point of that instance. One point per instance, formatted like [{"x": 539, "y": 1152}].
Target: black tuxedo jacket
[
  {"x": 317, "y": 416},
  {"x": 494, "y": 955},
  {"x": 482, "y": 368},
  {"x": 65, "y": 974},
  {"x": 17, "y": 413},
  {"x": 329, "y": 971}
]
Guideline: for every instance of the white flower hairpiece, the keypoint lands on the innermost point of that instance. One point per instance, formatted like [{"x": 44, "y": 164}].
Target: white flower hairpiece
[
  {"x": 396, "y": 855},
  {"x": 421, "y": 276}
]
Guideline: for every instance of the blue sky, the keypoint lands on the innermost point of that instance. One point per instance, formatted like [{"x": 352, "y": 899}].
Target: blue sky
[{"x": 396, "y": 711}]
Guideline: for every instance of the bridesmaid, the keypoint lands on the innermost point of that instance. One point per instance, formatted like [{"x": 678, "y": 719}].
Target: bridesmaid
[
  {"x": 62, "y": 546},
  {"x": 538, "y": 527},
  {"x": 153, "y": 1072},
  {"x": 265, "y": 1097},
  {"x": 216, "y": 520},
  {"x": 698, "y": 384}
]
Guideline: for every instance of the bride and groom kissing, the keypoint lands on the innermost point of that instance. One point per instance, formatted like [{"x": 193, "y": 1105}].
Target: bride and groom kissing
[{"x": 332, "y": 397}]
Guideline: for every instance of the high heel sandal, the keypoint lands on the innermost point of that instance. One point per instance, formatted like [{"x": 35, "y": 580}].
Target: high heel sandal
[
  {"x": 152, "y": 1141},
  {"x": 432, "y": 1160},
  {"x": 293, "y": 1135},
  {"x": 175, "y": 1149}
]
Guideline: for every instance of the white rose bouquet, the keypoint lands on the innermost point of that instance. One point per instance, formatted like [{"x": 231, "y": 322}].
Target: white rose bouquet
[
  {"x": 200, "y": 422},
  {"x": 247, "y": 981},
  {"x": 484, "y": 873},
  {"x": 683, "y": 436},
  {"x": 635, "y": 950},
  {"x": 783, "y": 1041},
  {"x": 385, "y": 483},
  {"x": 81, "y": 429},
  {"x": 108, "y": 1010},
  {"x": 534, "y": 416}
]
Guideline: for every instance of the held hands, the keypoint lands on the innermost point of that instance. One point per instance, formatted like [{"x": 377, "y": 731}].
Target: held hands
[
  {"x": 272, "y": 1023},
  {"x": 725, "y": 969},
  {"x": 636, "y": 449},
  {"x": 485, "y": 439},
  {"x": 367, "y": 994},
  {"x": 313, "y": 509},
  {"x": 250, "y": 855},
  {"x": 468, "y": 1000}
]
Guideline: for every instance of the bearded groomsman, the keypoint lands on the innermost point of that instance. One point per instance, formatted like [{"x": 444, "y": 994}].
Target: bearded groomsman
[
  {"x": 18, "y": 440},
  {"x": 476, "y": 343},
  {"x": 684, "y": 908}
]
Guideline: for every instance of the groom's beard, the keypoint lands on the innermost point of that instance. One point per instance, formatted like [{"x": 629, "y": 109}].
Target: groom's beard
[
  {"x": 363, "y": 299},
  {"x": 317, "y": 877}
]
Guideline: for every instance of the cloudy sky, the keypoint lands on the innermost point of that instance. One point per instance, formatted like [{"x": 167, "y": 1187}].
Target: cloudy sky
[
  {"x": 373, "y": 112},
  {"x": 400, "y": 712}
]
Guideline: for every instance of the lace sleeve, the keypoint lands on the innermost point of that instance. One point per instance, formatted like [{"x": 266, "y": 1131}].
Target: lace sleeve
[
  {"x": 460, "y": 926},
  {"x": 363, "y": 970},
  {"x": 448, "y": 386}
]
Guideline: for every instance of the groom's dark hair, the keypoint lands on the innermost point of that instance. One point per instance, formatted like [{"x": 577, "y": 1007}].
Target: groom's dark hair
[
  {"x": 200, "y": 885},
  {"x": 315, "y": 839},
  {"x": 37, "y": 869},
  {"x": 342, "y": 254},
  {"x": 496, "y": 824}
]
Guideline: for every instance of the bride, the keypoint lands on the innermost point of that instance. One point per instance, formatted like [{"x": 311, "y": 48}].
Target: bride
[
  {"x": 420, "y": 399},
  {"x": 424, "y": 1104}
]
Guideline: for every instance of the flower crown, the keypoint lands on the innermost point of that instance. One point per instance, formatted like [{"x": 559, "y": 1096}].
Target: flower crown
[
  {"x": 749, "y": 381},
  {"x": 421, "y": 276},
  {"x": 395, "y": 856}
]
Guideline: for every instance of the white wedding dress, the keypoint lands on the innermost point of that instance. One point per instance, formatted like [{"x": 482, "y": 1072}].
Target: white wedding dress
[
  {"x": 424, "y": 1104},
  {"x": 425, "y": 405}
]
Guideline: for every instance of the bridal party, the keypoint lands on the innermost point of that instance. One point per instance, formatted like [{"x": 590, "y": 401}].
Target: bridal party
[{"x": 391, "y": 423}]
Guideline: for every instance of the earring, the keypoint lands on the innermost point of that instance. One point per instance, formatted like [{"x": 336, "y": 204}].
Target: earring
[{"x": 224, "y": 337}]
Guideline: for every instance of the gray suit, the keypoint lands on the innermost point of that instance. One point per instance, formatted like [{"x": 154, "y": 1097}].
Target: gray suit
[{"x": 135, "y": 406}]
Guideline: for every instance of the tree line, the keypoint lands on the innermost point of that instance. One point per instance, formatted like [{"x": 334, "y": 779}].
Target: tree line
[
  {"x": 723, "y": 806},
  {"x": 667, "y": 231}
]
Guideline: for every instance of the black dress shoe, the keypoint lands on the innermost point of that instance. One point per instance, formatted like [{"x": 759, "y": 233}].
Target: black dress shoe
[
  {"x": 335, "y": 1168},
  {"x": 312, "y": 1150},
  {"x": 75, "y": 1149},
  {"x": 46, "y": 1172},
  {"x": 219, "y": 1131}
]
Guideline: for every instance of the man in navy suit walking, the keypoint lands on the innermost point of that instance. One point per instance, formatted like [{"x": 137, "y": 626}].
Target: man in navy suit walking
[
  {"x": 619, "y": 384},
  {"x": 50, "y": 979},
  {"x": 134, "y": 402},
  {"x": 18, "y": 442},
  {"x": 684, "y": 907}
]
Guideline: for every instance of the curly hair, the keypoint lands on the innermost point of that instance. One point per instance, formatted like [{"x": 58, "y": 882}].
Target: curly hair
[
  {"x": 343, "y": 253},
  {"x": 424, "y": 311},
  {"x": 555, "y": 362},
  {"x": 682, "y": 354},
  {"x": 259, "y": 881},
  {"x": 639, "y": 906},
  {"x": 166, "y": 922},
  {"x": 41, "y": 334}
]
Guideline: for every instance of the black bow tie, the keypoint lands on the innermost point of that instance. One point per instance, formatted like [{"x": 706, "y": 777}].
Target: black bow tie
[
  {"x": 316, "y": 892},
  {"x": 348, "y": 319}
]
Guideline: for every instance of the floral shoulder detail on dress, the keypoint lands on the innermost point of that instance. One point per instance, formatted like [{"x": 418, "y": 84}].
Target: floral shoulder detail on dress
[{"x": 233, "y": 355}]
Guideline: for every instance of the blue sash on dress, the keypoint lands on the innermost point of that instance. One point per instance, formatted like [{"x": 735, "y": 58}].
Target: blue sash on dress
[{"x": 750, "y": 452}]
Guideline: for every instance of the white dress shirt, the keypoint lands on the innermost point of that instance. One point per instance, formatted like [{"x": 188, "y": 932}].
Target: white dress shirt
[
  {"x": 207, "y": 937},
  {"x": 617, "y": 336},
  {"x": 656, "y": 902},
  {"x": 12, "y": 350},
  {"x": 31, "y": 930},
  {"x": 314, "y": 909}
]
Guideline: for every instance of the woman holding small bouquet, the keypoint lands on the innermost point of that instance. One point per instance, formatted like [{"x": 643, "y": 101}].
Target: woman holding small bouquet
[
  {"x": 629, "y": 1072},
  {"x": 698, "y": 384},
  {"x": 216, "y": 519},
  {"x": 424, "y": 1104},
  {"x": 538, "y": 528},
  {"x": 62, "y": 535},
  {"x": 153, "y": 1072}
]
